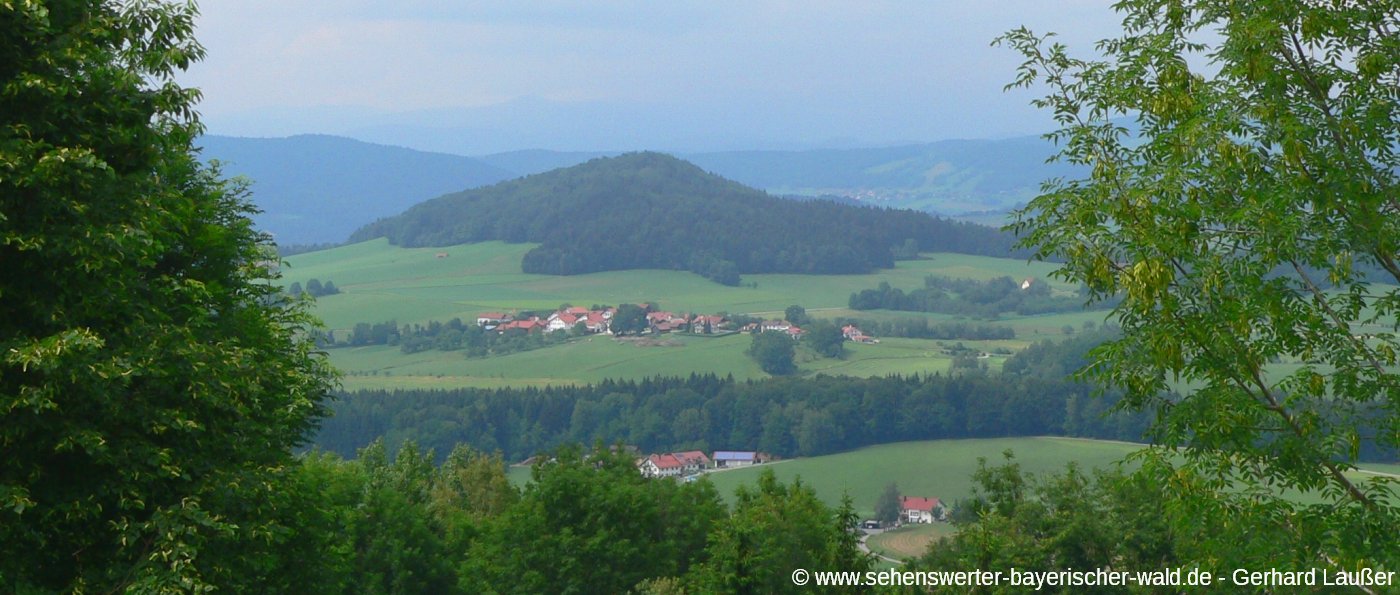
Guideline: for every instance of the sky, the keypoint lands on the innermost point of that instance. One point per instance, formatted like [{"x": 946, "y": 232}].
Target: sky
[{"x": 477, "y": 77}]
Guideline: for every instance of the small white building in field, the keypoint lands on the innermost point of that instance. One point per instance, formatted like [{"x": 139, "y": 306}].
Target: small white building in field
[{"x": 920, "y": 510}]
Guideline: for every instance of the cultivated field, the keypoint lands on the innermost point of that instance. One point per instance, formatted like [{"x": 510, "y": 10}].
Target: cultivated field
[{"x": 909, "y": 541}]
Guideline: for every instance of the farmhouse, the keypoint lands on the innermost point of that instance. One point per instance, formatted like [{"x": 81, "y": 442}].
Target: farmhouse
[
  {"x": 563, "y": 321},
  {"x": 853, "y": 333},
  {"x": 920, "y": 510},
  {"x": 674, "y": 464},
  {"x": 662, "y": 466},
  {"x": 713, "y": 322},
  {"x": 528, "y": 325}
]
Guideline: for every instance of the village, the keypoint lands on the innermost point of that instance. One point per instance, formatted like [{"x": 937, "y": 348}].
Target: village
[{"x": 600, "y": 320}]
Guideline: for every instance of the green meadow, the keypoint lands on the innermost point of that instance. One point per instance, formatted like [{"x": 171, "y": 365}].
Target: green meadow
[
  {"x": 938, "y": 468},
  {"x": 592, "y": 359},
  {"x": 943, "y": 468},
  {"x": 379, "y": 282}
]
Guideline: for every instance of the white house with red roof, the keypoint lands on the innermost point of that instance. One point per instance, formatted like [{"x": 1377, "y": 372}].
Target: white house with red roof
[
  {"x": 673, "y": 464},
  {"x": 597, "y": 322},
  {"x": 853, "y": 333},
  {"x": 662, "y": 466},
  {"x": 562, "y": 321},
  {"x": 914, "y": 509}
]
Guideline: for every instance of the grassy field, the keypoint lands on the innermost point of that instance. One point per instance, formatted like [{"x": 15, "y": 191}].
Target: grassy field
[
  {"x": 380, "y": 282},
  {"x": 592, "y": 359},
  {"x": 943, "y": 468},
  {"x": 909, "y": 541},
  {"x": 580, "y": 361},
  {"x": 940, "y": 469}
]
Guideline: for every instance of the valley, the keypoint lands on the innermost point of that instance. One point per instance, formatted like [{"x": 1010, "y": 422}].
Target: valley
[{"x": 379, "y": 282}]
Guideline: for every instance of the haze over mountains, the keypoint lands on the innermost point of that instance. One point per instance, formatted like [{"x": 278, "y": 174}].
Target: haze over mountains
[{"x": 318, "y": 188}]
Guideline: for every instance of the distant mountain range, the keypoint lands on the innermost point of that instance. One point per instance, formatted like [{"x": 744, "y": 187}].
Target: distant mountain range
[
  {"x": 317, "y": 188},
  {"x": 655, "y": 211}
]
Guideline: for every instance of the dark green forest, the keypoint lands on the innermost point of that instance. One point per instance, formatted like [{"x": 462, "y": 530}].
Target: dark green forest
[
  {"x": 649, "y": 210},
  {"x": 1033, "y": 395},
  {"x": 783, "y": 416}
]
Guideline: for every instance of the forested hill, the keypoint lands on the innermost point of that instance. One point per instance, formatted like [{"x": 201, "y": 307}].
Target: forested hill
[{"x": 649, "y": 210}]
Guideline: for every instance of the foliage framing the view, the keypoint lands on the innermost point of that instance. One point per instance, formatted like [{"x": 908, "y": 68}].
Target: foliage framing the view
[
  {"x": 151, "y": 386},
  {"x": 1265, "y": 171}
]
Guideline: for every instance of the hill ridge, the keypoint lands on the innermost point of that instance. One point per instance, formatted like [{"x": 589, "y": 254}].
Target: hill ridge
[{"x": 653, "y": 210}]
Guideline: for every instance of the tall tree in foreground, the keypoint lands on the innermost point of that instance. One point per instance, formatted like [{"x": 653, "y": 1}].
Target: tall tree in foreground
[
  {"x": 1255, "y": 220},
  {"x": 152, "y": 381}
]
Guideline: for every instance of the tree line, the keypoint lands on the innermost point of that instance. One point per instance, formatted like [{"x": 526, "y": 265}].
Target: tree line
[
  {"x": 788, "y": 416},
  {"x": 970, "y": 297},
  {"x": 454, "y": 335},
  {"x": 313, "y": 287},
  {"x": 648, "y": 210},
  {"x": 922, "y": 328}
]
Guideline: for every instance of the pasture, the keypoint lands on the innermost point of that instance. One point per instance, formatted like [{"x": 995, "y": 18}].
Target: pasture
[
  {"x": 938, "y": 468},
  {"x": 379, "y": 282},
  {"x": 592, "y": 359}
]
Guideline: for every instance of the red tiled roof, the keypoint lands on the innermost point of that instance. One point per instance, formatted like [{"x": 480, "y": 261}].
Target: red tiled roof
[
  {"x": 694, "y": 456},
  {"x": 917, "y": 503},
  {"x": 665, "y": 461}
]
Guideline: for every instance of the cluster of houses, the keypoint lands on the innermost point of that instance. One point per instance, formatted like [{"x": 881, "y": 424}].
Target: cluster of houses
[
  {"x": 598, "y": 321},
  {"x": 775, "y": 326},
  {"x": 692, "y": 462}
]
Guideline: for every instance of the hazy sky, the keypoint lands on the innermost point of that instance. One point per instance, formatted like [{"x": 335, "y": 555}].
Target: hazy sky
[{"x": 696, "y": 75}]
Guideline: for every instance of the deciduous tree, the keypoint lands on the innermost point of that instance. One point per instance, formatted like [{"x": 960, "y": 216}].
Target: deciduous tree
[
  {"x": 152, "y": 379},
  {"x": 1254, "y": 217},
  {"x": 774, "y": 352}
]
